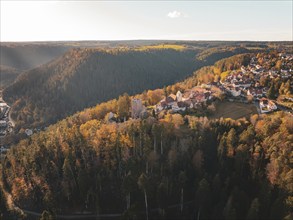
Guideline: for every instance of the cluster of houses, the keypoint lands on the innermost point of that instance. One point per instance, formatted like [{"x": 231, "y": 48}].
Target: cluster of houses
[
  {"x": 240, "y": 84},
  {"x": 137, "y": 110},
  {"x": 266, "y": 105},
  {"x": 5, "y": 124},
  {"x": 190, "y": 99},
  {"x": 237, "y": 84},
  {"x": 4, "y": 121}
]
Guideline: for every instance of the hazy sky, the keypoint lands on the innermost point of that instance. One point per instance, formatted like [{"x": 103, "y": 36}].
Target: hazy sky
[{"x": 121, "y": 20}]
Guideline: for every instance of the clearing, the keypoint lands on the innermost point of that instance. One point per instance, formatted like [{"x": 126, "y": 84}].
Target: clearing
[{"x": 234, "y": 110}]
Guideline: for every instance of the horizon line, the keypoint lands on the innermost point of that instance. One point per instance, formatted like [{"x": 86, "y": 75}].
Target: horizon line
[{"x": 118, "y": 40}]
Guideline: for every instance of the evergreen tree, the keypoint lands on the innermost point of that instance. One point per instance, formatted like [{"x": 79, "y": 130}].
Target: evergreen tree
[
  {"x": 253, "y": 212},
  {"x": 271, "y": 93},
  {"x": 46, "y": 215},
  {"x": 123, "y": 106},
  {"x": 182, "y": 180},
  {"x": 143, "y": 184},
  {"x": 3, "y": 204}
]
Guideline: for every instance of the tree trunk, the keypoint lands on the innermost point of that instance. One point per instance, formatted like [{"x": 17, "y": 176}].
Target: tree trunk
[
  {"x": 162, "y": 144},
  {"x": 242, "y": 164},
  {"x": 155, "y": 143},
  {"x": 147, "y": 167},
  {"x": 198, "y": 214},
  {"x": 146, "y": 205},
  {"x": 134, "y": 147},
  {"x": 140, "y": 144},
  {"x": 128, "y": 200},
  {"x": 181, "y": 206}
]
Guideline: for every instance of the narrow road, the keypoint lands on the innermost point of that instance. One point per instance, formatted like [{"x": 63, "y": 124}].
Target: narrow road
[
  {"x": 94, "y": 216},
  {"x": 283, "y": 108},
  {"x": 10, "y": 119},
  {"x": 76, "y": 216}
]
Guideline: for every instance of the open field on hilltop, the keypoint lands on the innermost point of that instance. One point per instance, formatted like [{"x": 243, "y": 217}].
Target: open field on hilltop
[
  {"x": 162, "y": 46},
  {"x": 233, "y": 110}
]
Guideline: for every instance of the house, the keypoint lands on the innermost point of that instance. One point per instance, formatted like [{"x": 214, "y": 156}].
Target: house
[
  {"x": 256, "y": 92},
  {"x": 236, "y": 84},
  {"x": 159, "y": 107},
  {"x": 171, "y": 98},
  {"x": 28, "y": 132},
  {"x": 179, "y": 96},
  {"x": 136, "y": 108},
  {"x": 266, "y": 105},
  {"x": 199, "y": 97},
  {"x": 235, "y": 92},
  {"x": 3, "y": 124},
  {"x": 206, "y": 86},
  {"x": 3, "y": 104},
  {"x": 258, "y": 66},
  {"x": 244, "y": 83},
  {"x": 176, "y": 107},
  {"x": 3, "y": 149},
  {"x": 111, "y": 117},
  {"x": 188, "y": 103}
]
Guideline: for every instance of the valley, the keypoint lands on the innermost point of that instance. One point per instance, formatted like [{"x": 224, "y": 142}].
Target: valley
[
  {"x": 86, "y": 76},
  {"x": 146, "y": 110},
  {"x": 176, "y": 146}
]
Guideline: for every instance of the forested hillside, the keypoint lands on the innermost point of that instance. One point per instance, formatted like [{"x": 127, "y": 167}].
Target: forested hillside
[
  {"x": 7, "y": 75},
  {"x": 84, "y": 77},
  {"x": 162, "y": 166},
  {"x": 181, "y": 166},
  {"x": 212, "y": 73},
  {"x": 18, "y": 57},
  {"x": 24, "y": 56}
]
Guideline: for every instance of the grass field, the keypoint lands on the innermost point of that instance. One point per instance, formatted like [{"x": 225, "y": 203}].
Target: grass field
[
  {"x": 162, "y": 46},
  {"x": 233, "y": 110}
]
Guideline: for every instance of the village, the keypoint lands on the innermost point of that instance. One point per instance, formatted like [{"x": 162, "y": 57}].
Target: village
[
  {"x": 6, "y": 126},
  {"x": 246, "y": 84},
  {"x": 242, "y": 85}
]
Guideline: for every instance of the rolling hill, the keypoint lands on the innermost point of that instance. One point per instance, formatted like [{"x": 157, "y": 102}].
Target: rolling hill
[
  {"x": 83, "y": 77},
  {"x": 7, "y": 75},
  {"x": 24, "y": 56},
  {"x": 182, "y": 166},
  {"x": 19, "y": 57}
]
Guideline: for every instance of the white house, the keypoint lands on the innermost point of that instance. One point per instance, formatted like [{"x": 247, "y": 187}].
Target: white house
[
  {"x": 266, "y": 105},
  {"x": 28, "y": 132},
  {"x": 176, "y": 108},
  {"x": 136, "y": 108},
  {"x": 179, "y": 96}
]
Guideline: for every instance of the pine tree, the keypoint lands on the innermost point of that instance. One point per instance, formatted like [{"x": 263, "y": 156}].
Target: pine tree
[
  {"x": 253, "y": 212},
  {"x": 123, "y": 106},
  {"x": 46, "y": 215},
  {"x": 271, "y": 94},
  {"x": 182, "y": 180},
  {"x": 287, "y": 88},
  {"x": 143, "y": 183},
  {"x": 231, "y": 142},
  {"x": 3, "y": 205}
]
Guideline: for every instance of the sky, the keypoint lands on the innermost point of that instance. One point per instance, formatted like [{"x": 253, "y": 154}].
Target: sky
[{"x": 128, "y": 20}]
